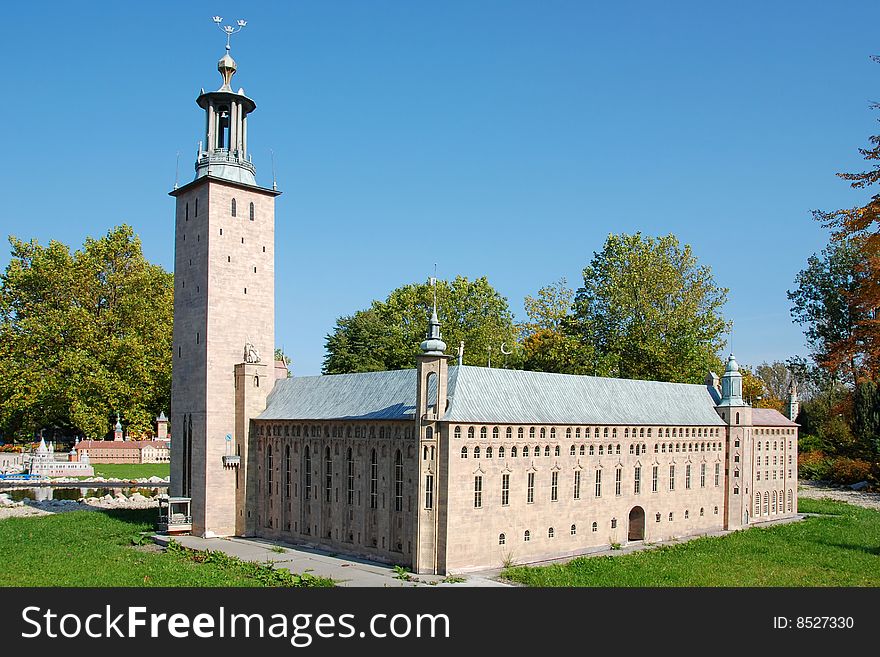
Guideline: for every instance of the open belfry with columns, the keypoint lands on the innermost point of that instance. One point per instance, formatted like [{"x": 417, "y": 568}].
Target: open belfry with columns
[{"x": 439, "y": 468}]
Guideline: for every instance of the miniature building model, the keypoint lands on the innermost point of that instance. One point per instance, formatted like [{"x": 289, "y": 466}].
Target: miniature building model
[{"x": 438, "y": 468}]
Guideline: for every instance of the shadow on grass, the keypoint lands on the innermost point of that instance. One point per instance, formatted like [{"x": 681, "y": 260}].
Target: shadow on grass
[{"x": 875, "y": 550}]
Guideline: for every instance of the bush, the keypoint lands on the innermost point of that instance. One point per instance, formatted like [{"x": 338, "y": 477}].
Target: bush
[
  {"x": 849, "y": 471},
  {"x": 814, "y": 465}
]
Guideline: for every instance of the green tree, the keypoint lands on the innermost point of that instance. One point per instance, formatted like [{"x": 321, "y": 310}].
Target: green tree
[
  {"x": 650, "y": 311},
  {"x": 821, "y": 304},
  {"x": 548, "y": 342},
  {"x": 386, "y": 336},
  {"x": 866, "y": 417},
  {"x": 84, "y": 335}
]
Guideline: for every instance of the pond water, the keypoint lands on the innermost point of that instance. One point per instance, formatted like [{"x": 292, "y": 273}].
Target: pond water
[{"x": 45, "y": 493}]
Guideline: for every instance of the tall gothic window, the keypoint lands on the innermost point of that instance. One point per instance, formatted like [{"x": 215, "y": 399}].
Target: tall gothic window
[
  {"x": 307, "y": 468},
  {"x": 269, "y": 467},
  {"x": 233, "y": 207},
  {"x": 328, "y": 474},
  {"x": 374, "y": 480},
  {"x": 350, "y": 465},
  {"x": 398, "y": 482},
  {"x": 252, "y": 211}
]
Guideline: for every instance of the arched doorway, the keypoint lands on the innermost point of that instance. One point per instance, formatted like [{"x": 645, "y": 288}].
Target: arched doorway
[{"x": 636, "y": 524}]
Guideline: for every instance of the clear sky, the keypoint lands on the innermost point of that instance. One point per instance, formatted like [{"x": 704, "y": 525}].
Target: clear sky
[{"x": 495, "y": 138}]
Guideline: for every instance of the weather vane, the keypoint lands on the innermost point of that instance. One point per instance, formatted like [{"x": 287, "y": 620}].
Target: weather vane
[{"x": 228, "y": 29}]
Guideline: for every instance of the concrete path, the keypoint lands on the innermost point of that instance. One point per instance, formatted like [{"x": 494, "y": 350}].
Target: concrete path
[{"x": 298, "y": 559}]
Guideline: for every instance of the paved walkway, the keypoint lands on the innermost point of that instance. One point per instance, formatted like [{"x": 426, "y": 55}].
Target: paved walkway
[{"x": 299, "y": 559}]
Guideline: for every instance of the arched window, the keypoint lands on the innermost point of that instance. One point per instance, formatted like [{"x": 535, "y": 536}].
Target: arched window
[
  {"x": 546, "y": 450},
  {"x": 595, "y": 527},
  {"x": 789, "y": 500},
  {"x": 457, "y": 433},
  {"x": 307, "y": 471},
  {"x": 374, "y": 480},
  {"x": 556, "y": 451},
  {"x": 773, "y": 503},
  {"x": 513, "y": 452},
  {"x": 766, "y": 503},
  {"x": 543, "y": 433},
  {"x": 495, "y": 433},
  {"x": 757, "y": 504},
  {"x": 574, "y": 530},
  {"x": 482, "y": 433},
  {"x": 737, "y": 417},
  {"x": 287, "y": 471},
  {"x": 477, "y": 452},
  {"x": 429, "y": 433},
  {"x": 398, "y": 481},
  {"x": 581, "y": 450},
  {"x": 464, "y": 452},
  {"x": 525, "y": 451},
  {"x": 502, "y": 539},
  {"x": 252, "y": 211},
  {"x": 470, "y": 433},
  {"x": 328, "y": 474},
  {"x": 269, "y": 467},
  {"x": 568, "y": 433},
  {"x": 531, "y": 433},
  {"x": 701, "y": 512},
  {"x": 617, "y": 451},
  {"x": 550, "y": 532},
  {"x": 571, "y": 451},
  {"x": 519, "y": 433},
  {"x": 349, "y": 462},
  {"x": 488, "y": 452},
  {"x": 501, "y": 452},
  {"x": 592, "y": 451},
  {"x": 509, "y": 433},
  {"x": 233, "y": 207},
  {"x": 527, "y": 535}
]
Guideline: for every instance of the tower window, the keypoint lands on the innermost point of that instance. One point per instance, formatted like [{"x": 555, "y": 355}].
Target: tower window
[
  {"x": 233, "y": 207},
  {"x": 197, "y": 207},
  {"x": 186, "y": 212},
  {"x": 245, "y": 290},
  {"x": 252, "y": 211},
  {"x": 221, "y": 231}
]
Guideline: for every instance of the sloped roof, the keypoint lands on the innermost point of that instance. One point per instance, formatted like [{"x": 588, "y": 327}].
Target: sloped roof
[
  {"x": 118, "y": 444},
  {"x": 481, "y": 394},
  {"x": 770, "y": 417}
]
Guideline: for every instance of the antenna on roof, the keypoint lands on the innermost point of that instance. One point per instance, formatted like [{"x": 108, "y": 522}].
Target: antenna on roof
[
  {"x": 177, "y": 170},
  {"x": 274, "y": 182},
  {"x": 490, "y": 355},
  {"x": 461, "y": 353}
]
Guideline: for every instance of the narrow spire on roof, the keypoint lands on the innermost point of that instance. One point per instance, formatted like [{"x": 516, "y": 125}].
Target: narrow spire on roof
[{"x": 434, "y": 345}]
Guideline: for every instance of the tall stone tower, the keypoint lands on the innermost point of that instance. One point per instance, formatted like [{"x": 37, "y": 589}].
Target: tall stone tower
[
  {"x": 737, "y": 415},
  {"x": 224, "y": 312},
  {"x": 432, "y": 371}
]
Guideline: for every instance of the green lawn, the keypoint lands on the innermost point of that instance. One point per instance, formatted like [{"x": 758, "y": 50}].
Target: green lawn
[
  {"x": 132, "y": 470},
  {"x": 839, "y": 548},
  {"x": 92, "y": 548}
]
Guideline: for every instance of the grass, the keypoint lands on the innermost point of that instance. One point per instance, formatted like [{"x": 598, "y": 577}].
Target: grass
[
  {"x": 90, "y": 548},
  {"x": 840, "y": 547},
  {"x": 131, "y": 470}
]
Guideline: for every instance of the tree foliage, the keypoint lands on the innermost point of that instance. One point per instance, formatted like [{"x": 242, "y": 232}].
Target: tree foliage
[
  {"x": 822, "y": 304},
  {"x": 83, "y": 335},
  {"x": 548, "y": 341},
  {"x": 386, "y": 336},
  {"x": 860, "y": 227},
  {"x": 648, "y": 310}
]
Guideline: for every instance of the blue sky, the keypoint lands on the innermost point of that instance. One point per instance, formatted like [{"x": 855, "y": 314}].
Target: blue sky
[{"x": 506, "y": 139}]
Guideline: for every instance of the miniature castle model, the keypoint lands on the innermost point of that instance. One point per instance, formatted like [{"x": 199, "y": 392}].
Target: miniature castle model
[{"x": 442, "y": 469}]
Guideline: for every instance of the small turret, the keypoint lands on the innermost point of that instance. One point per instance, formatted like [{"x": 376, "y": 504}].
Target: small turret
[{"x": 731, "y": 384}]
